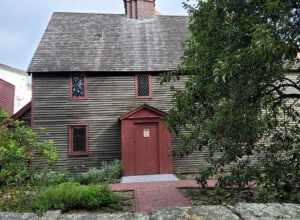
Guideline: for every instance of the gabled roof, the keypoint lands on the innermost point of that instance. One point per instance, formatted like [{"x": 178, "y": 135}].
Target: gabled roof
[
  {"x": 110, "y": 43},
  {"x": 7, "y": 83},
  {"x": 152, "y": 112},
  {"x": 22, "y": 111}
]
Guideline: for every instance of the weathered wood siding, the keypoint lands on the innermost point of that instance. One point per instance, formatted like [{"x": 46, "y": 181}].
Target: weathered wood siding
[
  {"x": 26, "y": 117},
  {"x": 108, "y": 98}
]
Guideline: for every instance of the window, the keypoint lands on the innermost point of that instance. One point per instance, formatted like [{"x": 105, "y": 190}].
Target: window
[
  {"x": 78, "y": 86},
  {"x": 143, "y": 85},
  {"x": 78, "y": 140}
]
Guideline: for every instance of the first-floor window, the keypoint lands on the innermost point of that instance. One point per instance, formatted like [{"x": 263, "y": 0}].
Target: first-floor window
[{"x": 78, "y": 139}]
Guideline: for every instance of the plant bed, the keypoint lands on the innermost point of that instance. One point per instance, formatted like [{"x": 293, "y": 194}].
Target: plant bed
[
  {"x": 127, "y": 205},
  {"x": 217, "y": 196},
  {"x": 107, "y": 173},
  {"x": 67, "y": 197},
  {"x": 73, "y": 196}
]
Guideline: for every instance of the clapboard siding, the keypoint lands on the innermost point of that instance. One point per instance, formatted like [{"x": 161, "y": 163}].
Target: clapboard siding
[
  {"x": 26, "y": 117},
  {"x": 7, "y": 92},
  {"x": 109, "y": 97}
]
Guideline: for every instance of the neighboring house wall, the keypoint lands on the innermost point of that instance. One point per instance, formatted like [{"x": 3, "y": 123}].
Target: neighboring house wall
[
  {"x": 109, "y": 97},
  {"x": 22, "y": 83},
  {"x": 7, "y": 92}
]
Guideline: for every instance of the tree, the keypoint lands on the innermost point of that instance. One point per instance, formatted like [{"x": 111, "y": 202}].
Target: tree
[
  {"x": 239, "y": 101},
  {"x": 18, "y": 143}
]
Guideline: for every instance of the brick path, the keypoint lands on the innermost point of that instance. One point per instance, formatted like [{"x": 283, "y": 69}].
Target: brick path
[{"x": 157, "y": 195}]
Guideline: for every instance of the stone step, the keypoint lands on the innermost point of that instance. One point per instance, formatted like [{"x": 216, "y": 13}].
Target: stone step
[{"x": 149, "y": 178}]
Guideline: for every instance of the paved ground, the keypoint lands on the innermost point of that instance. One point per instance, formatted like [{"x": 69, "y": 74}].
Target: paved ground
[{"x": 156, "y": 195}]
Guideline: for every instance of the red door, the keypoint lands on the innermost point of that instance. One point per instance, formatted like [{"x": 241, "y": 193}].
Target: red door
[{"x": 146, "y": 149}]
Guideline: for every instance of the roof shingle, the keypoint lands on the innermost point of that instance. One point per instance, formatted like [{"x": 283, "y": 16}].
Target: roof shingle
[{"x": 110, "y": 43}]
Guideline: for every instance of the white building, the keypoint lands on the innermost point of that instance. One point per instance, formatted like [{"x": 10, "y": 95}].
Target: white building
[{"x": 22, "y": 82}]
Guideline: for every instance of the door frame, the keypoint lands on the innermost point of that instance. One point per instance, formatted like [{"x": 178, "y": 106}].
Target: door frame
[{"x": 141, "y": 115}]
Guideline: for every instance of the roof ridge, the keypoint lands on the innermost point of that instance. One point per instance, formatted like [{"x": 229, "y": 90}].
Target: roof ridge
[
  {"x": 89, "y": 13},
  {"x": 96, "y": 13}
]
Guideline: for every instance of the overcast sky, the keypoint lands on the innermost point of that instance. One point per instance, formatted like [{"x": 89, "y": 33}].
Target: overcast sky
[{"x": 22, "y": 22}]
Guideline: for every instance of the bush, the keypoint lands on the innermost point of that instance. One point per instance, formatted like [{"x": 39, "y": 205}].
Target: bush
[
  {"x": 108, "y": 173},
  {"x": 50, "y": 178},
  {"x": 241, "y": 100},
  {"x": 17, "y": 144},
  {"x": 71, "y": 196},
  {"x": 17, "y": 199}
]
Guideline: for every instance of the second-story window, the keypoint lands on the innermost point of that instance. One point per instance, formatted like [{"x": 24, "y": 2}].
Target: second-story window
[
  {"x": 78, "y": 86},
  {"x": 143, "y": 85}
]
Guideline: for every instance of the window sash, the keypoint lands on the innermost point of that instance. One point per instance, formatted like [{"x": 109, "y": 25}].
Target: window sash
[
  {"x": 78, "y": 139},
  {"x": 78, "y": 86},
  {"x": 143, "y": 85}
]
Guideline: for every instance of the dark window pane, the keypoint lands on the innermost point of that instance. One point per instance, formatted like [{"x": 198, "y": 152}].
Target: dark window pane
[
  {"x": 79, "y": 139},
  {"x": 78, "y": 86},
  {"x": 143, "y": 85}
]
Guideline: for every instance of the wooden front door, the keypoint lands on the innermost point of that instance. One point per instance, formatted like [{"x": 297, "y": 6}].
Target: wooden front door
[{"x": 146, "y": 149}]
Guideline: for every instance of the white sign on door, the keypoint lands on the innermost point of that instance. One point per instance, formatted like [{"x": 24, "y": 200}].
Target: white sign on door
[{"x": 146, "y": 132}]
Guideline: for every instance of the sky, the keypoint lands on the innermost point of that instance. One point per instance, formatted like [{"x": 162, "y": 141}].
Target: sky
[{"x": 22, "y": 22}]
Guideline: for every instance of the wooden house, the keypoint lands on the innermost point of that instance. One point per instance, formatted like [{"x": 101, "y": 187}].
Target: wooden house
[{"x": 97, "y": 89}]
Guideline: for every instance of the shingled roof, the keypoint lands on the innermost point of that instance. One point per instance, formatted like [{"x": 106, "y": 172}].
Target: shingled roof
[{"x": 110, "y": 43}]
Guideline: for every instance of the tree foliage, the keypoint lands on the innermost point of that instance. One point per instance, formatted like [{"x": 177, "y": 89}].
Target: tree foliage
[
  {"x": 18, "y": 143},
  {"x": 239, "y": 101}
]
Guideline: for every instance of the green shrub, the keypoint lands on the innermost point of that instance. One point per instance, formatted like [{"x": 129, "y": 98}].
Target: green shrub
[
  {"x": 73, "y": 196},
  {"x": 17, "y": 199},
  {"x": 108, "y": 173},
  {"x": 50, "y": 178},
  {"x": 17, "y": 142}
]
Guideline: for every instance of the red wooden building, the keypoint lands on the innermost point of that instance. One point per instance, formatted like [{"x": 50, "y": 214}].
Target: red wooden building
[{"x": 7, "y": 95}]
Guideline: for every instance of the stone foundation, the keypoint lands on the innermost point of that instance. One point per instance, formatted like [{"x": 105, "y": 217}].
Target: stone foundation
[{"x": 241, "y": 211}]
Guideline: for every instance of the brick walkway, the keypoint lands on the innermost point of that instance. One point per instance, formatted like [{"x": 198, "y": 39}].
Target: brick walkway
[{"x": 157, "y": 195}]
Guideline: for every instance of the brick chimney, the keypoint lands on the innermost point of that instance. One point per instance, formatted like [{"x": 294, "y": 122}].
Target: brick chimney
[{"x": 139, "y": 9}]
